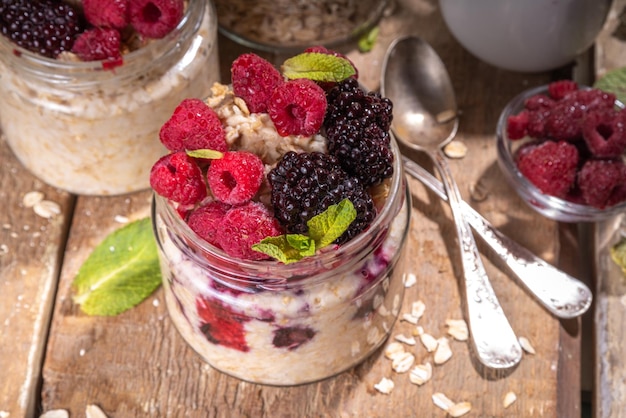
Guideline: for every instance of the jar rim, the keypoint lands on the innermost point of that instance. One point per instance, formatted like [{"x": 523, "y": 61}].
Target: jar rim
[{"x": 357, "y": 248}]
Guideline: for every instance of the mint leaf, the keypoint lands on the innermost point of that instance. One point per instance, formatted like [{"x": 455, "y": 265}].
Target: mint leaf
[
  {"x": 618, "y": 254},
  {"x": 368, "y": 40},
  {"x": 121, "y": 271},
  {"x": 614, "y": 82},
  {"x": 209, "y": 154},
  {"x": 286, "y": 248},
  {"x": 318, "y": 67},
  {"x": 332, "y": 223}
]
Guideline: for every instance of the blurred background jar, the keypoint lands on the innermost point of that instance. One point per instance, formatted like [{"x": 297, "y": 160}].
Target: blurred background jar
[
  {"x": 93, "y": 128},
  {"x": 525, "y": 36},
  {"x": 289, "y": 26}
]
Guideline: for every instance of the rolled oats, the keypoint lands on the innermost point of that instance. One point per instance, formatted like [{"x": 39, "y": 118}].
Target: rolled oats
[
  {"x": 402, "y": 362},
  {"x": 526, "y": 345},
  {"x": 459, "y": 409},
  {"x": 442, "y": 401},
  {"x": 385, "y": 386},
  {"x": 421, "y": 373},
  {"x": 457, "y": 328},
  {"x": 429, "y": 342},
  {"x": 509, "y": 399},
  {"x": 443, "y": 352}
]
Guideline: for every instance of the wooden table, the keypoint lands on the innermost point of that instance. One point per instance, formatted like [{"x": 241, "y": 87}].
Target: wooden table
[{"x": 52, "y": 356}]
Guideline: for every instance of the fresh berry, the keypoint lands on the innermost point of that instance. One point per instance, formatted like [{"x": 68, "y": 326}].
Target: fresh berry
[
  {"x": 98, "y": 44},
  {"x": 539, "y": 102},
  {"x": 254, "y": 80},
  {"x": 602, "y": 182},
  {"x": 155, "y": 18},
  {"x": 221, "y": 325},
  {"x": 306, "y": 184},
  {"x": 205, "y": 220},
  {"x": 193, "y": 125},
  {"x": 246, "y": 225},
  {"x": 559, "y": 89},
  {"x": 177, "y": 177},
  {"x": 605, "y": 133},
  {"x": 297, "y": 107},
  {"x": 517, "y": 125},
  {"x": 107, "y": 13},
  {"x": 357, "y": 128},
  {"x": 45, "y": 27},
  {"x": 292, "y": 337},
  {"x": 236, "y": 177},
  {"x": 551, "y": 166}
]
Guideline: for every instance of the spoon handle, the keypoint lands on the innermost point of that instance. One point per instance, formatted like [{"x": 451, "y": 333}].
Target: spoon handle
[
  {"x": 561, "y": 294},
  {"x": 494, "y": 340}
]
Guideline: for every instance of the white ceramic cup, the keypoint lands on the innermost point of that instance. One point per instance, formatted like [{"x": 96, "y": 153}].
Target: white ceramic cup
[{"x": 525, "y": 35}]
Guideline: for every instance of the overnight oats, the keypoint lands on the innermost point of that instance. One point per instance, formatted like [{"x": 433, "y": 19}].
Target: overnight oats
[
  {"x": 281, "y": 213},
  {"x": 82, "y": 112}
]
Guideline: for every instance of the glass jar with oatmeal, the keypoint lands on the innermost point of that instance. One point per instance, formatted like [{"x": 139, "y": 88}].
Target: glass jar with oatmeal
[
  {"x": 90, "y": 129},
  {"x": 287, "y": 324},
  {"x": 286, "y": 26}
]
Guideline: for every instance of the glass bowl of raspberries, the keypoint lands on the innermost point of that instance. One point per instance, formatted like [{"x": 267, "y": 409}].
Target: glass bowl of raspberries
[
  {"x": 281, "y": 211},
  {"x": 561, "y": 146}
]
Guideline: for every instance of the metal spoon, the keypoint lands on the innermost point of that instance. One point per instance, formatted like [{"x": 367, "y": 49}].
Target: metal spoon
[
  {"x": 425, "y": 118},
  {"x": 563, "y": 295}
]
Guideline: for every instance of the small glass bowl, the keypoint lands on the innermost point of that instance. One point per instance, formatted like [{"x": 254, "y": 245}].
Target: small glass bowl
[
  {"x": 287, "y": 27},
  {"x": 552, "y": 207}
]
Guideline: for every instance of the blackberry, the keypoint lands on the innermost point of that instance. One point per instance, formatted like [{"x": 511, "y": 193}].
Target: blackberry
[
  {"x": 305, "y": 184},
  {"x": 45, "y": 27},
  {"x": 357, "y": 128}
]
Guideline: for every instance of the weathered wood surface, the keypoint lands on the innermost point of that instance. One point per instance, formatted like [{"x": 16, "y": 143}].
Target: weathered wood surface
[
  {"x": 136, "y": 364},
  {"x": 610, "y": 292}
]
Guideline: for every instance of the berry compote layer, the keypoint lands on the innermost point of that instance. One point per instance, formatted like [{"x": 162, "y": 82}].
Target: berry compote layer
[{"x": 89, "y": 126}]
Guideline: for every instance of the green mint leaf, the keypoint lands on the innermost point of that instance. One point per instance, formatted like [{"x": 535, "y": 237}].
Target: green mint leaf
[
  {"x": 121, "y": 271},
  {"x": 618, "y": 254},
  {"x": 318, "y": 67},
  {"x": 209, "y": 154},
  {"x": 614, "y": 82},
  {"x": 281, "y": 249},
  {"x": 368, "y": 40},
  {"x": 332, "y": 223}
]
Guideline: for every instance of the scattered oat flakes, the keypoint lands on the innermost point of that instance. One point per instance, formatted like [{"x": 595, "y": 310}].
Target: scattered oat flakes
[
  {"x": 404, "y": 339},
  {"x": 459, "y": 409},
  {"x": 54, "y": 413},
  {"x": 457, "y": 328},
  {"x": 30, "y": 199},
  {"x": 47, "y": 209},
  {"x": 410, "y": 280},
  {"x": 417, "y": 309},
  {"x": 94, "y": 411},
  {"x": 421, "y": 373},
  {"x": 121, "y": 219},
  {"x": 419, "y": 330},
  {"x": 412, "y": 319},
  {"x": 4, "y": 414},
  {"x": 455, "y": 149},
  {"x": 428, "y": 341},
  {"x": 509, "y": 399},
  {"x": 526, "y": 345},
  {"x": 393, "y": 349},
  {"x": 442, "y": 401},
  {"x": 443, "y": 352},
  {"x": 384, "y": 386},
  {"x": 402, "y": 363}
]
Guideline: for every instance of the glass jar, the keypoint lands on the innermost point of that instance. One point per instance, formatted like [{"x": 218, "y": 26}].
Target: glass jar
[
  {"x": 94, "y": 130},
  {"x": 271, "y": 323}
]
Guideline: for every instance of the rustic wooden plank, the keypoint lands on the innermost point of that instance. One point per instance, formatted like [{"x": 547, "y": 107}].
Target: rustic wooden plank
[
  {"x": 609, "y": 398},
  {"x": 31, "y": 250},
  {"x": 137, "y": 365}
]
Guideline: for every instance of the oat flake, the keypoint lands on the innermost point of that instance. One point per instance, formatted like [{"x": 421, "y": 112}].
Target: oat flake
[
  {"x": 54, "y": 413},
  {"x": 526, "y": 345},
  {"x": 30, "y": 199},
  {"x": 402, "y": 362},
  {"x": 459, "y": 409},
  {"x": 429, "y": 342},
  {"x": 393, "y": 349},
  {"x": 404, "y": 339},
  {"x": 410, "y": 280},
  {"x": 421, "y": 374},
  {"x": 509, "y": 399},
  {"x": 94, "y": 411},
  {"x": 457, "y": 328},
  {"x": 455, "y": 149},
  {"x": 384, "y": 386},
  {"x": 442, "y": 401},
  {"x": 47, "y": 209},
  {"x": 443, "y": 353}
]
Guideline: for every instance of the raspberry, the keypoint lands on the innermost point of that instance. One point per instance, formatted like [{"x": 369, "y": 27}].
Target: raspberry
[
  {"x": 177, "y": 177},
  {"x": 107, "y": 13},
  {"x": 98, "y": 44},
  {"x": 236, "y": 177},
  {"x": 551, "y": 166},
  {"x": 205, "y": 220},
  {"x": 155, "y": 18},
  {"x": 254, "y": 80},
  {"x": 292, "y": 337},
  {"x": 246, "y": 225},
  {"x": 304, "y": 185},
  {"x": 602, "y": 182},
  {"x": 605, "y": 133},
  {"x": 559, "y": 89},
  {"x": 193, "y": 125},
  {"x": 297, "y": 107},
  {"x": 357, "y": 128},
  {"x": 517, "y": 125},
  {"x": 221, "y": 325},
  {"x": 45, "y": 27}
]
